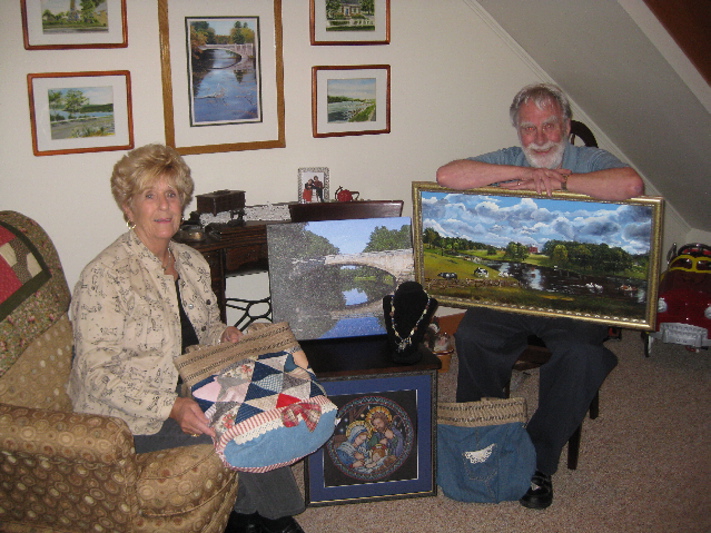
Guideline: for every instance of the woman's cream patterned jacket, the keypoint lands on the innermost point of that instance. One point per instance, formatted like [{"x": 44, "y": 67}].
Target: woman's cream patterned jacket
[{"x": 127, "y": 331}]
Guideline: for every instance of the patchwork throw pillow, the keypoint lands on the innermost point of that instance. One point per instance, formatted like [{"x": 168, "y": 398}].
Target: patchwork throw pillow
[{"x": 266, "y": 410}]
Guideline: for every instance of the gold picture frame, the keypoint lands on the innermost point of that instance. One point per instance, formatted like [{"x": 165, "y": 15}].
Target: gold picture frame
[{"x": 568, "y": 255}]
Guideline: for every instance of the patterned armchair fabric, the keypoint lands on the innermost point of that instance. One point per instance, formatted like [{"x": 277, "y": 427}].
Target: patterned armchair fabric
[{"x": 62, "y": 471}]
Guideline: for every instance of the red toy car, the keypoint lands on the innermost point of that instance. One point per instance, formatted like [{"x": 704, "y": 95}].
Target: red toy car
[{"x": 684, "y": 308}]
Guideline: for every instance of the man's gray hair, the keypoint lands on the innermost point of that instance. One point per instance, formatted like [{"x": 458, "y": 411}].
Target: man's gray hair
[{"x": 541, "y": 94}]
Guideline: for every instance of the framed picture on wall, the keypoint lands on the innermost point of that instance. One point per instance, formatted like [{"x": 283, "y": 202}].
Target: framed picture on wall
[
  {"x": 350, "y": 100},
  {"x": 74, "y": 112},
  {"x": 313, "y": 185},
  {"x": 343, "y": 22},
  {"x": 568, "y": 255},
  {"x": 67, "y": 24},
  {"x": 383, "y": 445},
  {"x": 223, "y": 75}
]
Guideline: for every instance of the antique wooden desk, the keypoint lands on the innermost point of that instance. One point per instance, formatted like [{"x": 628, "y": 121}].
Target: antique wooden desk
[{"x": 242, "y": 250}]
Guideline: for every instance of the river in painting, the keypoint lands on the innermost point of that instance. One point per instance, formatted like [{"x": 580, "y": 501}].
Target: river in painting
[
  {"x": 560, "y": 281},
  {"x": 345, "y": 111},
  {"x": 225, "y": 89}
]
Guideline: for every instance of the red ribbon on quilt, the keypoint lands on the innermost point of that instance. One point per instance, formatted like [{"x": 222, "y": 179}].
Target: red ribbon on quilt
[{"x": 310, "y": 412}]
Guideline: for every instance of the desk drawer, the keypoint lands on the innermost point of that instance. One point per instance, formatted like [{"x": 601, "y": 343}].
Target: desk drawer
[{"x": 235, "y": 258}]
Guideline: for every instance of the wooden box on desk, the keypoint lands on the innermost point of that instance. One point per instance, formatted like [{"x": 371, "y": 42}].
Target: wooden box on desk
[
  {"x": 219, "y": 201},
  {"x": 383, "y": 446}
]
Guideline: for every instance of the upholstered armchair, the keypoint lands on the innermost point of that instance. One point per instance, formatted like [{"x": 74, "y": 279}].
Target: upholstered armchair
[{"x": 62, "y": 471}]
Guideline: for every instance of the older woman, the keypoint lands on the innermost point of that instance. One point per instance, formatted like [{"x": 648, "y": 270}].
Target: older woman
[{"x": 136, "y": 307}]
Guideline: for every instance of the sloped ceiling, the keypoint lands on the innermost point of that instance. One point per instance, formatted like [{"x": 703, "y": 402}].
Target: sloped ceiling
[{"x": 633, "y": 89}]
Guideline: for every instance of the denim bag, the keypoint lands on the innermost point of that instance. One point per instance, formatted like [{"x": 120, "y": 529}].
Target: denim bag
[{"x": 484, "y": 453}]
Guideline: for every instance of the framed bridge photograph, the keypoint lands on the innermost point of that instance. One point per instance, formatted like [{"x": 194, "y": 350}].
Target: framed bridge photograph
[
  {"x": 328, "y": 278},
  {"x": 223, "y": 79},
  {"x": 568, "y": 255}
]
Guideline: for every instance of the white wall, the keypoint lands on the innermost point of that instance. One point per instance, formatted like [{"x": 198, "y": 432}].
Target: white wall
[{"x": 453, "y": 78}]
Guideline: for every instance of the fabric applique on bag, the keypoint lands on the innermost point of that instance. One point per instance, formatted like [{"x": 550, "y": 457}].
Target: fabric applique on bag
[
  {"x": 266, "y": 410},
  {"x": 484, "y": 453}
]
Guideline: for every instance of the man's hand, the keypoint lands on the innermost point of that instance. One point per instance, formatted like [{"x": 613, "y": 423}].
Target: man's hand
[
  {"x": 190, "y": 417},
  {"x": 539, "y": 179}
]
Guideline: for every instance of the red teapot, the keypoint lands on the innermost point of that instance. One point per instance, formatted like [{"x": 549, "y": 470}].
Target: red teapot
[{"x": 344, "y": 195}]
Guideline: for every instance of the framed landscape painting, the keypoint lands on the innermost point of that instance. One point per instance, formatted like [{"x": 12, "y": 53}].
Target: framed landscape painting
[
  {"x": 350, "y": 100},
  {"x": 72, "y": 24},
  {"x": 350, "y": 22},
  {"x": 568, "y": 255},
  {"x": 74, "y": 112}
]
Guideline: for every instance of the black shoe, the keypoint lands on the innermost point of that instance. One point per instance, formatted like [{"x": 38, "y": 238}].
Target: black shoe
[
  {"x": 286, "y": 524},
  {"x": 243, "y": 523},
  {"x": 540, "y": 495}
]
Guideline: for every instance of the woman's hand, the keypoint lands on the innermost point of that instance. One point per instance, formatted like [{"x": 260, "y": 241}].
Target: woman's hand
[
  {"x": 190, "y": 417},
  {"x": 231, "y": 334}
]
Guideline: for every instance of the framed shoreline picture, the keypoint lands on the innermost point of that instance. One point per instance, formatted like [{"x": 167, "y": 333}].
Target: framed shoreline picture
[
  {"x": 350, "y": 22},
  {"x": 76, "y": 112},
  {"x": 350, "y": 100},
  {"x": 66, "y": 25},
  {"x": 313, "y": 185},
  {"x": 223, "y": 75},
  {"x": 383, "y": 446},
  {"x": 568, "y": 255}
]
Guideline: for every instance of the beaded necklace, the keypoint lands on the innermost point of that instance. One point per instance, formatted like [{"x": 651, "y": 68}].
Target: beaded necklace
[{"x": 407, "y": 341}]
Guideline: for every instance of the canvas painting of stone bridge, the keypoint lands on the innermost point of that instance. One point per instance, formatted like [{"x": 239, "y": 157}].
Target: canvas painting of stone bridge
[{"x": 328, "y": 278}]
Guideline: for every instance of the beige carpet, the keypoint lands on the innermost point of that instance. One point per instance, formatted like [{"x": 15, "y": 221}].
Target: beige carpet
[{"x": 644, "y": 462}]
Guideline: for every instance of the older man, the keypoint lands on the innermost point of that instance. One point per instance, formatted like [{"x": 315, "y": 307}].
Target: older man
[{"x": 489, "y": 342}]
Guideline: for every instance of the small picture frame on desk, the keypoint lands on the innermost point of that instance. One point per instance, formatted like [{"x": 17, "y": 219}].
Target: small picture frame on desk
[
  {"x": 313, "y": 185},
  {"x": 383, "y": 446}
]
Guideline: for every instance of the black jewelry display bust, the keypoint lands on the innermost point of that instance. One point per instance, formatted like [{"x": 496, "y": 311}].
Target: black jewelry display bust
[{"x": 408, "y": 313}]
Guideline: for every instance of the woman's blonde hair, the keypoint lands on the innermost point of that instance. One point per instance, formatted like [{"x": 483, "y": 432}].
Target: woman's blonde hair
[{"x": 142, "y": 167}]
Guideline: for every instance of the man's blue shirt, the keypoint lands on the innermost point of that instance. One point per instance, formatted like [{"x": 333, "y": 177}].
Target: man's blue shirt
[{"x": 578, "y": 159}]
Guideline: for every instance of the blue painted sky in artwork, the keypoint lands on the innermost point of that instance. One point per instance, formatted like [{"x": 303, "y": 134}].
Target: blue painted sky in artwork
[
  {"x": 352, "y": 236},
  {"x": 362, "y": 88},
  {"x": 498, "y": 220}
]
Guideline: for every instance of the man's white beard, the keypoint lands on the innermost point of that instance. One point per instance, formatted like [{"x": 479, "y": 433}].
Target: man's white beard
[{"x": 553, "y": 159}]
